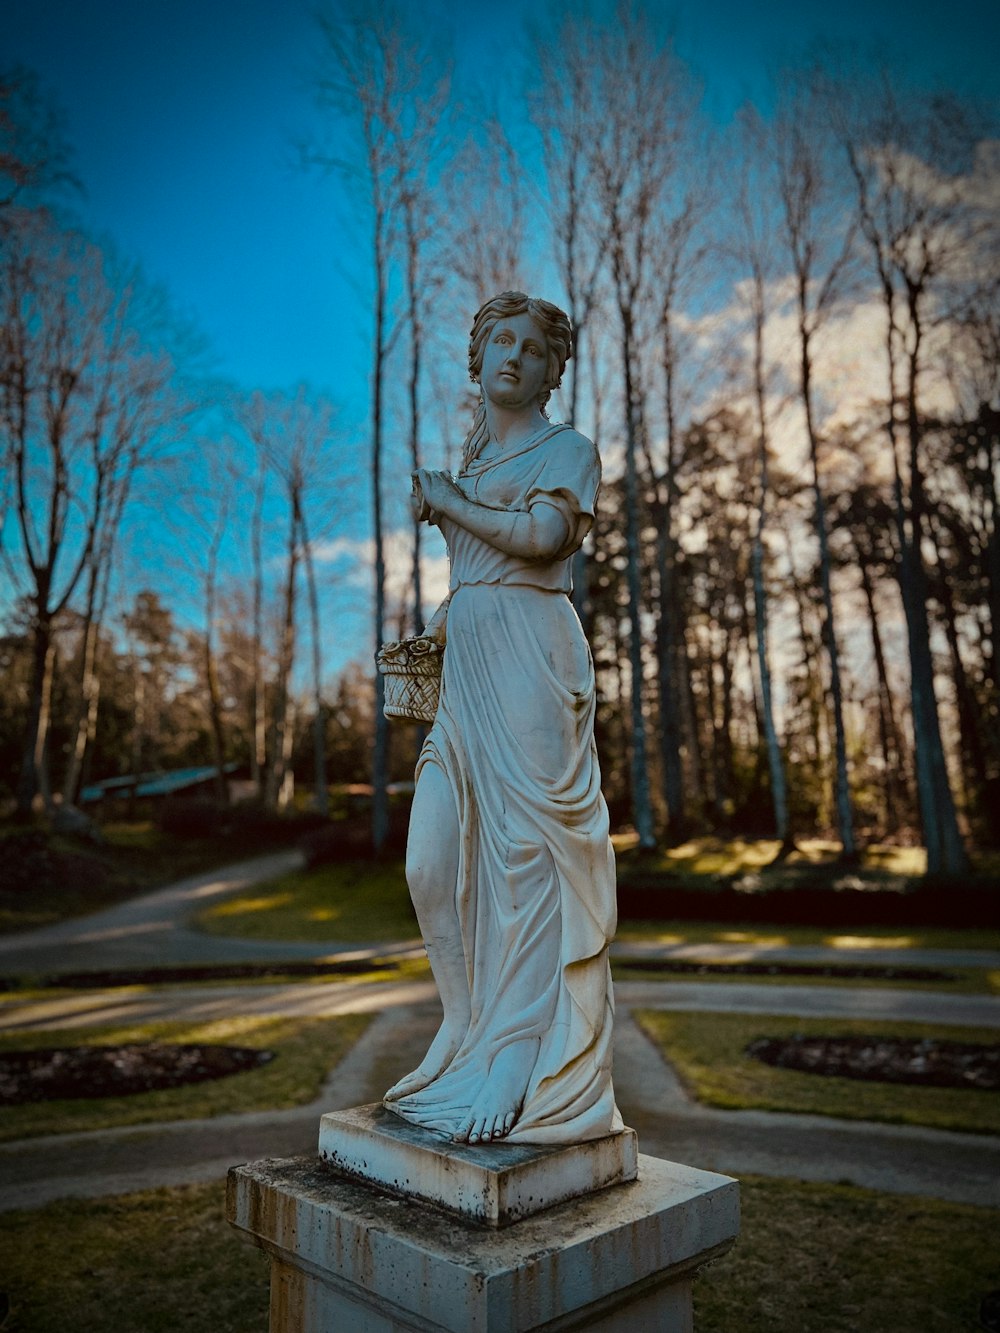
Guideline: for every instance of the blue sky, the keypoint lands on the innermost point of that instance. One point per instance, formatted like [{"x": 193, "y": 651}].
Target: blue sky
[{"x": 183, "y": 115}]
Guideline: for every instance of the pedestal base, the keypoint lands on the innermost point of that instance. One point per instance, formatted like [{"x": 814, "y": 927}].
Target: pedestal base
[
  {"x": 351, "y": 1258},
  {"x": 492, "y": 1183}
]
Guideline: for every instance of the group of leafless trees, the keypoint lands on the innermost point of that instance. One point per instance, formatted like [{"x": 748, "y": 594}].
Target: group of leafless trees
[
  {"x": 119, "y": 450},
  {"x": 787, "y": 347}
]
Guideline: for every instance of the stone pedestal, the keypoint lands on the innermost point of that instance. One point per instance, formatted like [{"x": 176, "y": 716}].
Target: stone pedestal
[
  {"x": 491, "y": 1251},
  {"x": 493, "y": 1184}
]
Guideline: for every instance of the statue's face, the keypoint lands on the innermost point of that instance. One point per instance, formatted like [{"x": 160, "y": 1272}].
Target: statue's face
[{"x": 515, "y": 362}]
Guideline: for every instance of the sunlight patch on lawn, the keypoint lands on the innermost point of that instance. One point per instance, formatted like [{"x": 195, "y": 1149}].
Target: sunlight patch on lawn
[
  {"x": 243, "y": 905},
  {"x": 733, "y": 856},
  {"x": 870, "y": 941},
  {"x": 752, "y": 937}
]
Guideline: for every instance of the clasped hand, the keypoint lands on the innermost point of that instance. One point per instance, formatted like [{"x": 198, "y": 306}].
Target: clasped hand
[{"x": 432, "y": 490}]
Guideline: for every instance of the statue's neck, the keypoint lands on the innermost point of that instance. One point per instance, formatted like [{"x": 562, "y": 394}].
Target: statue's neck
[{"x": 510, "y": 427}]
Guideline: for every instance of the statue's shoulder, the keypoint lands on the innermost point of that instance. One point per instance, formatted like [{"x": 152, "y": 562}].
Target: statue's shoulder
[
  {"x": 566, "y": 437},
  {"x": 570, "y": 444}
]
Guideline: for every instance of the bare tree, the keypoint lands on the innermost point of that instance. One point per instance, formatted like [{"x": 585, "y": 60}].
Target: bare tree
[
  {"x": 34, "y": 154},
  {"x": 819, "y": 239},
  {"x": 81, "y": 400},
  {"x": 423, "y": 273},
  {"x": 98, "y": 582},
  {"x": 679, "y": 246},
  {"x": 258, "y": 746},
  {"x": 635, "y": 76},
  {"x": 291, "y": 433},
  {"x": 920, "y": 232},
  {"x": 370, "y": 73},
  {"x": 754, "y": 252},
  {"x": 485, "y": 199}
]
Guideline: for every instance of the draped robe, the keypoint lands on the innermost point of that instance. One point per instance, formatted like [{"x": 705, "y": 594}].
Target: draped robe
[{"x": 514, "y": 736}]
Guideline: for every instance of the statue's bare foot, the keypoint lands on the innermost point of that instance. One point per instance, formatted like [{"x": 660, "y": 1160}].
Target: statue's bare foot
[
  {"x": 494, "y": 1112},
  {"x": 440, "y": 1054}
]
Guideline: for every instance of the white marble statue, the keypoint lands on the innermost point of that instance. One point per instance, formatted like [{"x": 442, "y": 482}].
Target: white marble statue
[{"x": 509, "y": 862}]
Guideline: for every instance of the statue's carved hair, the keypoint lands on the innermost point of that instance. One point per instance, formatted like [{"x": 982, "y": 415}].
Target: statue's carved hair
[{"x": 553, "y": 322}]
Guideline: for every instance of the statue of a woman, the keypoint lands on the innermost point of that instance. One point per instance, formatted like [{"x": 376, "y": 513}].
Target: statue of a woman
[{"x": 509, "y": 862}]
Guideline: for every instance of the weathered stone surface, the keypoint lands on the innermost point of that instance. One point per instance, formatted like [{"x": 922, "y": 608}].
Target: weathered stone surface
[
  {"x": 509, "y": 859},
  {"x": 347, "y": 1256},
  {"x": 494, "y": 1184}
]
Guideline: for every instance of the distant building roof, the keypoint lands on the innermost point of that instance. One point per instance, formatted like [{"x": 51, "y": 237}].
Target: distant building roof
[{"x": 152, "y": 784}]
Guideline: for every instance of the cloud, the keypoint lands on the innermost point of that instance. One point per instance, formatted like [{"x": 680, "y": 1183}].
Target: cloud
[{"x": 355, "y": 558}]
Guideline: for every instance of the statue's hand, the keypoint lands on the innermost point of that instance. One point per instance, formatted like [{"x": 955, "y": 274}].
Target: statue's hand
[
  {"x": 436, "y": 489},
  {"x": 421, "y": 509},
  {"x": 436, "y": 629}
]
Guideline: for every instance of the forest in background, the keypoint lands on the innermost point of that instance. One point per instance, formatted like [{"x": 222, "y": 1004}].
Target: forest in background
[{"x": 787, "y": 347}]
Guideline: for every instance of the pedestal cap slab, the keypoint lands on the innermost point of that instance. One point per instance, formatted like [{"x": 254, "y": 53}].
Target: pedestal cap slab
[{"x": 493, "y": 1184}]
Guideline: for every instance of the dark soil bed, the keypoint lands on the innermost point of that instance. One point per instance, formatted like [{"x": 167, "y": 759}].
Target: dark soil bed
[
  {"x": 938, "y": 1064},
  {"x": 117, "y": 1071}
]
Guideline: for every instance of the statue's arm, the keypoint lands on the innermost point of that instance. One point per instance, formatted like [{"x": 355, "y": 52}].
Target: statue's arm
[
  {"x": 537, "y": 533},
  {"x": 437, "y": 627}
]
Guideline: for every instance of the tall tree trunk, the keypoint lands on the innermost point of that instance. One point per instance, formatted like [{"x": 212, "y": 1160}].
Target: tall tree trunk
[
  {"x": 642, "y": 811},
  {"x": 669, "y": 620},
  {"x": 274, "y": 786},
  {"x": 845, "y": 817},
  {"x": 33, "y": 779},
  {"x": 898, "y": 797},
  {"x": 321, "y": 799},
  {"x": 85, "y": 721},
  {"x": 416, "y": 337},
  {"x": 775, "y": 761},
  {"x": 380, "y": 751},
  {"x": 993, "y": 552},
  {"x": 258, "y": 744},
  {"x": 945, "y": 850},
  {"x": 970, "y": 725},
  {"x": 217, "y": 729},
  {"x": 816, "y": 735}
]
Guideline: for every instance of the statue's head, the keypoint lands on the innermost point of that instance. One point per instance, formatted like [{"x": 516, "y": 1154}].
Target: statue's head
[{"x": 553, "y": 322}]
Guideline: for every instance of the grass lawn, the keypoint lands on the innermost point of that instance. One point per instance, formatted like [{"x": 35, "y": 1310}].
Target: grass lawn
[
  {"x": 306, "y": 1050},
  {"x": 811, "y": 1258},
  {"x": 707, "y": 1052},
  {"x": 154, "y": 1262},
  {"x": 818, "y": 1258},
  {"x": 355, "y": 902}
]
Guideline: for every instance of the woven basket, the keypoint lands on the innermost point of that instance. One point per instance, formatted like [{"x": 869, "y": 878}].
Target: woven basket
[{"x": 412, "y": 672}]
